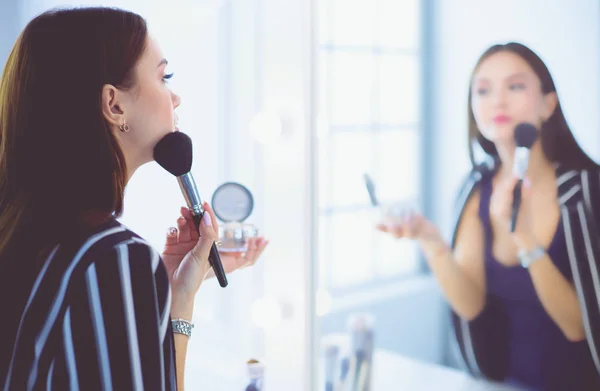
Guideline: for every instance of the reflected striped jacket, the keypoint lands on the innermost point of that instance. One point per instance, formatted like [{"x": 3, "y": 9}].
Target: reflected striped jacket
[
  {"x": 481, "y": 347},
  {"x": 97, "y": 317}
]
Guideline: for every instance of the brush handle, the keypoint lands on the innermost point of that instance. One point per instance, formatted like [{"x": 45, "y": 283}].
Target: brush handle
[
  {"x": 371, "y": 189},
  {"x": 516, "y": 205},
  {"x": 213, "y": 258}
]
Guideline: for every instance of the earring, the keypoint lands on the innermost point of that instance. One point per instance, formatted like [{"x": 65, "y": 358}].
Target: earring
[{"x": 124, "y": 128}]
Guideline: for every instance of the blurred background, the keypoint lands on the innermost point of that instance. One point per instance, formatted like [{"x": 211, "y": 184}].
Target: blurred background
[{"x": 297, "y": 99}]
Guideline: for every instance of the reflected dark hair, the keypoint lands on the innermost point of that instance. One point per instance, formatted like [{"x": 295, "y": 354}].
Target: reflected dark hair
[
  {"x": 556, "y": 137},
  {"x": 59, "y": 159}
]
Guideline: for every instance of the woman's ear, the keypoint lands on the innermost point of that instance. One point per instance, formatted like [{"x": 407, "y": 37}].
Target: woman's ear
[
  {"x": 550, "y": 103},
  {"x": 111, "y": 106}
]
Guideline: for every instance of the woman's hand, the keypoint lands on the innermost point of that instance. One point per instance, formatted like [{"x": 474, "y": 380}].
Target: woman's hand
[
  {"x": 239, "y": 260},
  {"x": 415, "y": 226},
  {"x": 411, "y": 226},
  {"x": 185, "y": 256},
  {"x": 501, "y": 210},
  {"x": 182, "y": 240}
]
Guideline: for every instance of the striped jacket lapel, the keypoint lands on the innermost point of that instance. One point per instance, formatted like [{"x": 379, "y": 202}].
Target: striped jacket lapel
[{"x": 579, "y": 213}]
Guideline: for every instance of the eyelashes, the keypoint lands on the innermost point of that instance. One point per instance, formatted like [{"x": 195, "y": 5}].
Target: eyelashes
[{"x": 513, "y": 87}]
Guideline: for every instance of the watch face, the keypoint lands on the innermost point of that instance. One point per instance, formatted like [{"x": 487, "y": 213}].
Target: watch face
[{"x": 232, "y": 202}]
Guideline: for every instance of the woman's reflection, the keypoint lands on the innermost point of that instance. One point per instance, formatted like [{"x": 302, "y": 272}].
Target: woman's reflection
[{"x": 525, "y": 304}]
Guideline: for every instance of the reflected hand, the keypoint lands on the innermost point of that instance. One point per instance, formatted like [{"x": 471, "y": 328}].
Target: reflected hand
[
  {"x": 411, "y": 226},
  {"x": 415, "y": 226}
]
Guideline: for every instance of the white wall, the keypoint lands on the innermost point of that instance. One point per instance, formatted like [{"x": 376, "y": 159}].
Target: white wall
[
  {"x": 564, "y": 33},
  {"x": 9, "y": 27}
]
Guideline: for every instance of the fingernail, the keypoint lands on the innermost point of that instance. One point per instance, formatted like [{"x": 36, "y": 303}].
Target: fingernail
[
  {"x": 207, "y": 219},
  {"x": 172, "y": 231}
]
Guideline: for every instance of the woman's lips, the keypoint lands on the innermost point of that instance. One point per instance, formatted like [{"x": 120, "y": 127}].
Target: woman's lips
[{"x": 501, "y": 119}]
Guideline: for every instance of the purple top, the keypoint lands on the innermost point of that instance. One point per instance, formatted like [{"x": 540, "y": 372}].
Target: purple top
[{"x": 540, "y": 357}]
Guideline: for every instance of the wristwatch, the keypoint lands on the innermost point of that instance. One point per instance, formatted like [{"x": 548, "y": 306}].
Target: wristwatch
[
  {"x": 528, "y": 257},
  {"x": 181, "y": 326}
]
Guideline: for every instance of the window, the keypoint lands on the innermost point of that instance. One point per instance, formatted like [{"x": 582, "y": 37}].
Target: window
[{"x": 369, "y": 118}]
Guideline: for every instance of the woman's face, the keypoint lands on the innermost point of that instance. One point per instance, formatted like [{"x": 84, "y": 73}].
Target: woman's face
[
  {"x": 148, "y": 108},
  {"x": 505, "y": 92}
]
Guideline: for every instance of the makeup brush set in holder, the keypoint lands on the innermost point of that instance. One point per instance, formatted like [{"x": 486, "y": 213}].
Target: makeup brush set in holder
[
  {"x": 348, "y": 358},
  {"x": 256, "y": 375}
]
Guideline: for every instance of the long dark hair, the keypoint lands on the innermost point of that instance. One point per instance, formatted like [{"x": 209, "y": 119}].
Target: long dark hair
[
  {"x": 58, "y": 157},
  {"x": 558, "y": 143}
]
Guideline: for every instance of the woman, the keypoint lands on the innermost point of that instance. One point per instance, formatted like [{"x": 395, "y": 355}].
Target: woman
[
  {"x": 85, "y": 302},
  {"x": 525, "y": 304}
]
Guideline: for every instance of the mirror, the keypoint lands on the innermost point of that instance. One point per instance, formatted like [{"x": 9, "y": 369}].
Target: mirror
[{"x": 392, "y": 91}]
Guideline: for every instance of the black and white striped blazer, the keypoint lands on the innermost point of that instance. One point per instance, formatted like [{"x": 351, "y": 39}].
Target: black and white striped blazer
[
  {"x": 96, "y": 318},
  {"x": 480, "y": 346}
]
